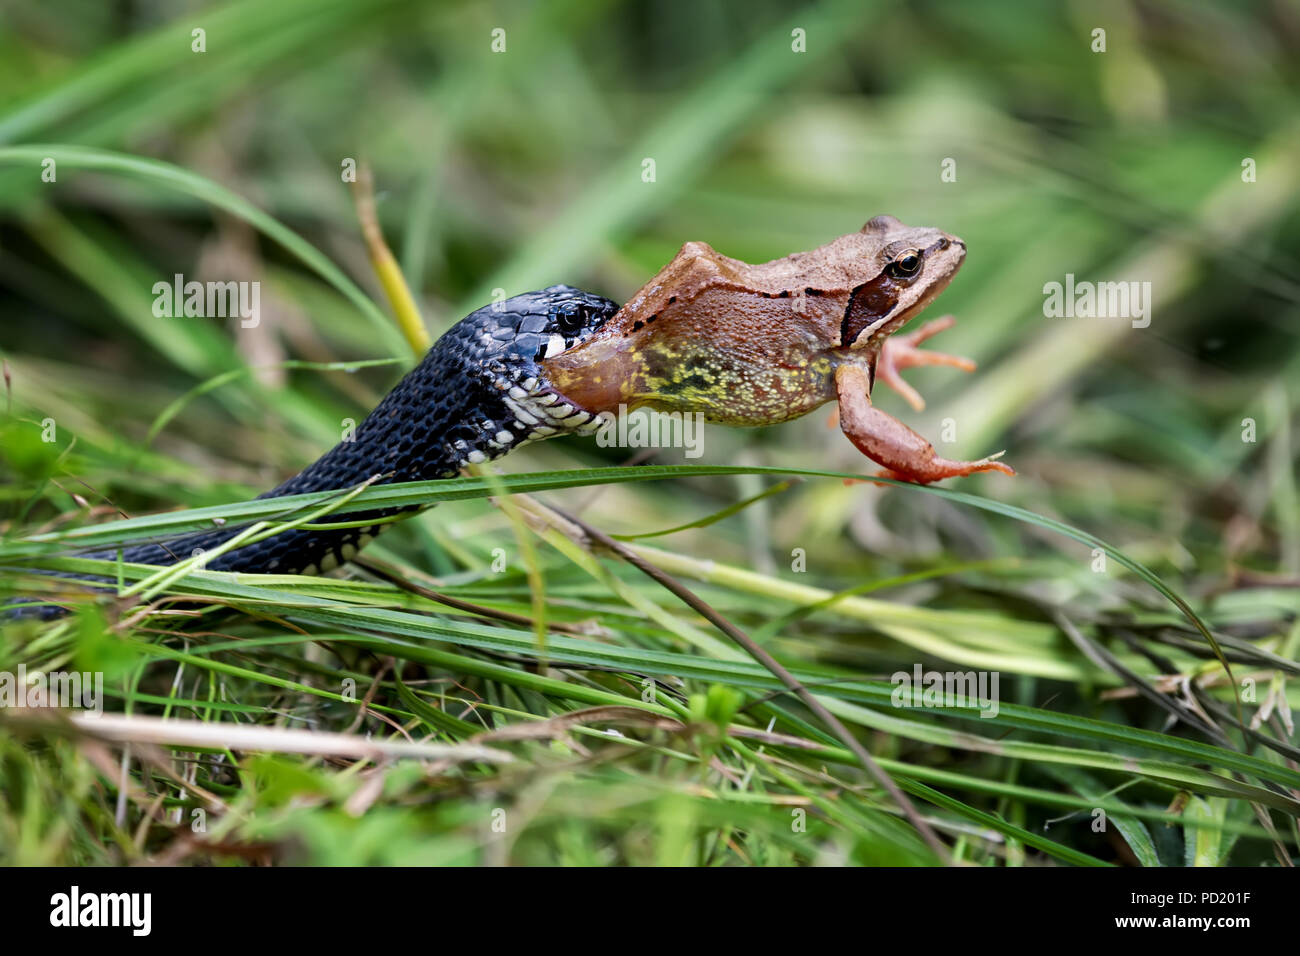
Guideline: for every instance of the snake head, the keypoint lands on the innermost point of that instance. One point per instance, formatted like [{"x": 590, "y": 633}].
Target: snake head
[
  {"x": 520, "y": 331},
  {"x": 506, "y": 342}
]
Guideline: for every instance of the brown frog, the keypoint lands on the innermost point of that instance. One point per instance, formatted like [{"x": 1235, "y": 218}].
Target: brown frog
[{"x": 759, "y": 344}]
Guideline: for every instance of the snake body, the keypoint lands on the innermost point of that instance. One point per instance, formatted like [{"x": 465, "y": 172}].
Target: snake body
[{"x": 478, "y": 393}]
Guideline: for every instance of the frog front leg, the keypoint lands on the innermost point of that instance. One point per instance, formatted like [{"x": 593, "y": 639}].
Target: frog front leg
[
  {"x": 887, "y": 441},
  {"x": 901, "y": 351}
]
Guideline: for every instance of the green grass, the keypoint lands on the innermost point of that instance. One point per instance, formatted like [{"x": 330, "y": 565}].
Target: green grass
[{"x": 1145, "y": 544}]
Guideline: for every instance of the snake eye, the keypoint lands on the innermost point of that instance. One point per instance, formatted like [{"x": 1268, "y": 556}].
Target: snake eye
[
  {"x": 570, "y": 318},
  {"x": 906, "y": 265}
]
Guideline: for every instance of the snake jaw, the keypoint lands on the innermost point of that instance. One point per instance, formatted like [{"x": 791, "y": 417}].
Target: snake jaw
[{"x": 542, "y": 412}]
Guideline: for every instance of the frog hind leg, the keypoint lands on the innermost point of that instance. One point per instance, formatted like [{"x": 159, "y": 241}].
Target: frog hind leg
[
  {"x": 887, "y": 441},
  {"x": 902, "y": 351}
]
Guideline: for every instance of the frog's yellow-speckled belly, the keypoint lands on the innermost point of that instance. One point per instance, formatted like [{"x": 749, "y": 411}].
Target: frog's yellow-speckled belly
[{"x": 730, "y": 387}]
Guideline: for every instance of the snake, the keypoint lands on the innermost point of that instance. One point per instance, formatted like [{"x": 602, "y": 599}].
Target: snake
[{"x": 479, "y": 393}]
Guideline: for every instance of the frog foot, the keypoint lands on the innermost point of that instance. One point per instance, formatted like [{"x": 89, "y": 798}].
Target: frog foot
[
  {"x": 936, "y": 469},
  {"x": 901, "y": 351},
  {"x": 905, "y": 455}
]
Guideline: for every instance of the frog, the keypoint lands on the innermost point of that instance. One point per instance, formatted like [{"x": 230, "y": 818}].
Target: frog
[{"x": 754, "y": 344}]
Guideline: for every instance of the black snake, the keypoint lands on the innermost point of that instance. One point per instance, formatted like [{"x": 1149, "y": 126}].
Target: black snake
[{"x": 478, "y": 393}]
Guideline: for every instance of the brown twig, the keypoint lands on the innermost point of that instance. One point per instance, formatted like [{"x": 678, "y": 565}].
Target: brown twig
[{"x": 767, "y": 660}]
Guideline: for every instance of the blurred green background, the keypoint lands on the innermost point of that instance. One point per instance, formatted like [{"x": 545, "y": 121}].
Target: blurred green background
[{"x": 522, "y": 168}]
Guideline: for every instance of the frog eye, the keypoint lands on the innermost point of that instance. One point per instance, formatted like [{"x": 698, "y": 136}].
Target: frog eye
[{"x": 906, "y": 265}]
